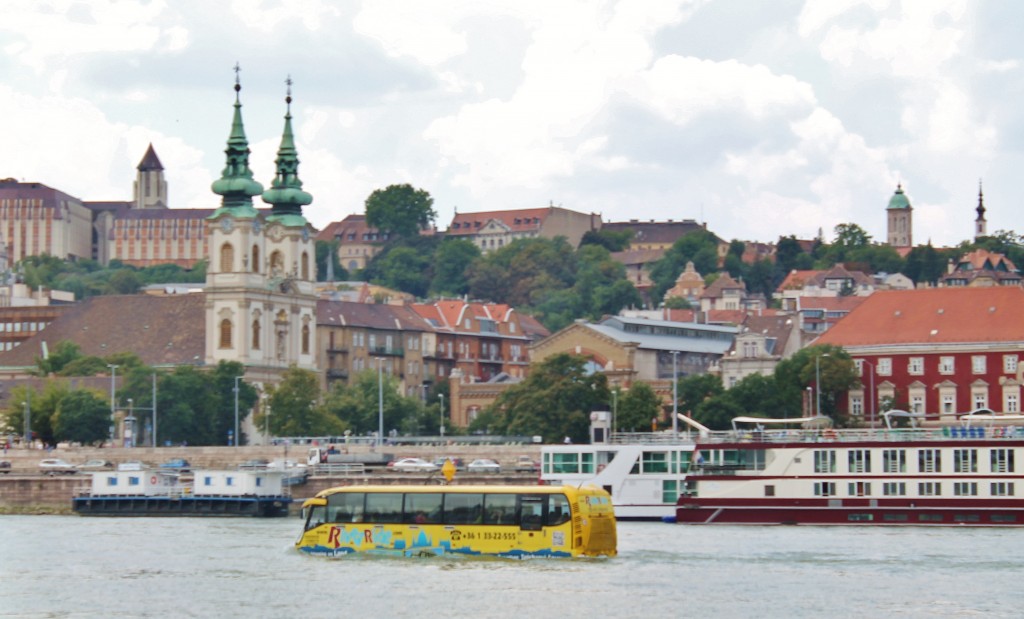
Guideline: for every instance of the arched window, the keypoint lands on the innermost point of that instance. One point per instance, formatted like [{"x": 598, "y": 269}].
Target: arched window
[
  {"x": 256, "y": 334},
  {"x": 255, "y": 259},
  {"x": 305, "y": 266},
  {"x": 277, "y": 264},
  {"x": 227, "y": 258},
  {"x": 225, "y": 333},
  {"x": 305, "y": 339}
]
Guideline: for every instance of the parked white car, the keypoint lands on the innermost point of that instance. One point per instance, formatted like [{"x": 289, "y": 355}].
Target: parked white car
[
  {"x": 483, "y": 465},
  {"x": 413, "y": 465},
  {"x": 56, "y": 466}
]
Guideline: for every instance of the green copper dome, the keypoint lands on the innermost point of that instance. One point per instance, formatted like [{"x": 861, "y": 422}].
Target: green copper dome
[
  {"x": 285, "y": 194},
  {"x": 236, "y": 185},
  {"x": 899, "y": 200}
]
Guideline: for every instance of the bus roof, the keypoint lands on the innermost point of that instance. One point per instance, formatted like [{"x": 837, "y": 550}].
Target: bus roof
[{"x": 469, "y": 489}]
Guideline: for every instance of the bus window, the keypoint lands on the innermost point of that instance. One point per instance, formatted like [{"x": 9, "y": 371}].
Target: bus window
[
  {"x": 531, "y": 511},
  {"x": 422, "y": 508},
  {"x": 384, "y": 507},
  {"x": 317, "y": 513},
  {"x": 500, "y": 509},
  {"x": 558, "y": 509},
  {"x": 463, "y": 508},
  {"x": 345, "y": 507}
]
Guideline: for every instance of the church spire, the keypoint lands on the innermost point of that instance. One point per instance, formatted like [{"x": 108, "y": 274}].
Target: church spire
[
  {"x": 980, "y": 223},
  {"x": 285, "y": 194},
  {"x": 236, "y": 184}
]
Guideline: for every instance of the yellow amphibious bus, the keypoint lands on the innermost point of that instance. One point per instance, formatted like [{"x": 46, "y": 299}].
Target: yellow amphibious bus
[{"x": 504, "y": 521}]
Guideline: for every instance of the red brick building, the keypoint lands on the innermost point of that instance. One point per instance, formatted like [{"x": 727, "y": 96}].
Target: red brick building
[{"x": 939, "y": 351}]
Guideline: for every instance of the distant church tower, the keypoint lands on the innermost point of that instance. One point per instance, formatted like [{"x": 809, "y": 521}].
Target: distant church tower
[
  {"x": 150, "y": 187},
  {"x": 260, "y": 300},
  {"x": 980, "y": 225},
  {"x": 900, "y": 220}
]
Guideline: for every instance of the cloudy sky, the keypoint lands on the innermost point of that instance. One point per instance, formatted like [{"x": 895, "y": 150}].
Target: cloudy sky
[{"x": 760, "y": 118}]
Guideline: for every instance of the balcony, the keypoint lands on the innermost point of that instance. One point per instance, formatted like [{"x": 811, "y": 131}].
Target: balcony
[
  {"x": 337, "y": 350},
  {"x": 337, "y": 374},
  {"x": 384, "y": 350}
]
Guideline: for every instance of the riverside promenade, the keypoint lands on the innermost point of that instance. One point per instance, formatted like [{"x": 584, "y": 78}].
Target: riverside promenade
[{"x": 27, "y": 490}]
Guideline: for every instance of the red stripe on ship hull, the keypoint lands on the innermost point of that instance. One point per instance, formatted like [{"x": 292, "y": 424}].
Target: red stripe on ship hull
[{"x": 933, "y": 512}]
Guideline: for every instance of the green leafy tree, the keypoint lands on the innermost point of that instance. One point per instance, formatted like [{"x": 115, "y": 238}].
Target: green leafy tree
[
  {"x": 799, "y": 373},
  {"x": 637, "y": 407},
  {"x": 400, "y": 209},
  {"x": 677, "y": 303},
  {"x": 925, "y": 264},
  {"x": 451, "y": 265},
  {"x": 294, "y": 407},
  {"x": 328, "y": 251},
  {"x": 694, "y": 389},
  {"x": 125, "y": 281},
  {"x": 699, "y": 246},
  {"x": 63, "y": 353},
  {"x": 403, "y": 268},
  {"x": 82, "y": 416},
  {"x": 554, "y": 401},
  {"x": 612, "y": 240},
  {"x": 358, "y": 406},
  {"x": 85, "y": 366}
]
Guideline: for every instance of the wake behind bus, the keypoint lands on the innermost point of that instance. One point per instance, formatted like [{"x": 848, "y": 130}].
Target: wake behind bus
[{"x": 502, "y": 521}]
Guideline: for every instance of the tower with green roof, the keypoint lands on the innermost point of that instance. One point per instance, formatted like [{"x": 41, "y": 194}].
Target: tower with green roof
[
  {"x": 900, "y": 216},
  {"x": 261, "y": 302}
]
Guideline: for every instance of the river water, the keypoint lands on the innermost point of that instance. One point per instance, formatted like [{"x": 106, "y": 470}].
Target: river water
[{"x": 70, "y": 566}]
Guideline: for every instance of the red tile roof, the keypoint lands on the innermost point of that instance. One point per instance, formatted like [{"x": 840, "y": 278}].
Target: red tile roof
[
  {"x": 518, "y": 221},
  {"x": 932, "y": 316}
]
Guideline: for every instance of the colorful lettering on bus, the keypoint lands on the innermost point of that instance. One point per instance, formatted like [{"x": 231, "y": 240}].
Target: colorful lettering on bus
[{"x": 505, "y": 521}]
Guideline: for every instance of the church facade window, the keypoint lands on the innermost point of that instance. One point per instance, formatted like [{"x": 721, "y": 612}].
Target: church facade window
[
  {"x": 225, "y": 333},
  {"x": 227, "y": 258}
]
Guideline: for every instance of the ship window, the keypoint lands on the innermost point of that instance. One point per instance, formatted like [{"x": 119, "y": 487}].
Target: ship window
[
  {"x": 655, "y": 462},
  {"x": 929, "y": 488},
  {"x": 824, "y": 488},
  {"x": 859, "y": 460},
  {"x": 384, "y": 507},
  {"x": 894, "y": 488},
  {"x": 860, "y": 517},
  {"x": 1004, "y": 518},
  {"x": 859, "y": 488},
  {"x": 825, "y": 461},
  {"x": 669, "y": 491},
  {"x": 894, "y": 461},
  {"x": 1001, "y": 488},
  {"x": 965, "y": 460},
  {"x": 1002, "y": 461},
  {"x": 965, "y": 488},
  {"x": 967, "y": 518},
  {"x": 895, "y": 517},
  {"x": 769, "y": 490},
  {"x": 565, "y": 463},
  {"x": 929, "y": 517},
  {"x": 929, "y": 461},
  {"x": 111, "y": 481}
]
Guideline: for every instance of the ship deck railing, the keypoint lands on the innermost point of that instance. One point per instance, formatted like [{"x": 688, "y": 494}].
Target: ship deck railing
[
  {"x": 848, "y": 435},
  {"x": 177, "y": 492}
]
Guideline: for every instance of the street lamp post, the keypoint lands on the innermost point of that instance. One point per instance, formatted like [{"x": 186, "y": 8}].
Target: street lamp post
[
  {"x": 113, "y": 373},
  {"x": 237, "y": 441},
  {"x": 130, "y": 422},
  {"x": 871, "y": 389},
  {"x": 441, "y": 396},
  {"x": 615, "y": 406},
  {"x": 28, "y": 418},
  {"x": 675, "y": 393},
  {"x": 817, "y": 383},
  {"x": 380, "y": 402}
]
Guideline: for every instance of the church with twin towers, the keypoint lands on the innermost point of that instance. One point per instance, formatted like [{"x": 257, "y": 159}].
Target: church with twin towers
[{"x": 260, "y": 296}]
